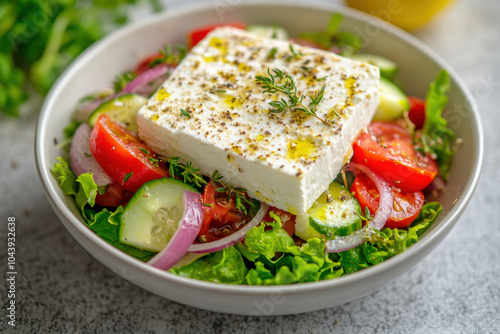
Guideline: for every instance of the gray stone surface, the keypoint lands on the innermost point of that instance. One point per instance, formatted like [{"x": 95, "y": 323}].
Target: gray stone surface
[{"x": 61, "y": 289}]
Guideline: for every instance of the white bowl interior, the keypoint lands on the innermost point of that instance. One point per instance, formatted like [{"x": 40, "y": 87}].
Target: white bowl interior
[{"x": 121, "y": 51}]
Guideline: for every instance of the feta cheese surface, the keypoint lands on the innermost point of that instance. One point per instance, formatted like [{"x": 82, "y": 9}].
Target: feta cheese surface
[{"x": 285, "y": 159}]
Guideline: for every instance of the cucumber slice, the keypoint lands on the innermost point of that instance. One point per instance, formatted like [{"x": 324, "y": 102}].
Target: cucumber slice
[
  {"x": 269, "y": 31},
  {"x": 152, "y": 215},
  {"x": 387, "y": 67},
  {"x": 393, "y": 102},
  {"x": 335, "y": 213},
  {"x": 122, "y": 109}
]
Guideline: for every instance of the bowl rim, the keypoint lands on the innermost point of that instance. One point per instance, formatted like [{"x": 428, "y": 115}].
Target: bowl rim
[{"x": 65, "y": 214}]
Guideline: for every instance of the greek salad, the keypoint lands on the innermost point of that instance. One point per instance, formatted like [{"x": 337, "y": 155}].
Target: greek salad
[{"x": 164, "y": 211}]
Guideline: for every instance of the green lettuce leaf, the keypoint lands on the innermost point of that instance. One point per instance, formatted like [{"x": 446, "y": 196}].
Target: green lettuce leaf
[
  {"x": 353, "y": 259},
  {"x": 263, "y": 276},
  {"x": 307, "y": 263},
  {"x": 82, "y": 188},
  {"x": 389, "y": 242},
  {"x": 436, "y": 139},
  {"x": 269, "y": 242},
  {"x": 105, "y": 223},
  {"x": 271, "y": 256},
  {"x": 281, "y": 261},
  {"x": 87, "y": 190},
  {"x": 225, "y": 266},
  {"x": 67, "y": 179}
]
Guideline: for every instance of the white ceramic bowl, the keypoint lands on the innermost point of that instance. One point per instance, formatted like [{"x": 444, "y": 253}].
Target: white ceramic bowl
[{"x": 120, "y": 51}]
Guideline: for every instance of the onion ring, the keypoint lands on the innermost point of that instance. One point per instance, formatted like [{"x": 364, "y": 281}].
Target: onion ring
[
  {"x": 230, "y": 240},
  {"x": 379, "y": 219}
]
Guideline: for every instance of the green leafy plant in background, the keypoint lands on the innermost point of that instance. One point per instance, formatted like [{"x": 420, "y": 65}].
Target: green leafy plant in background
[{"x": 40, "y": 38}]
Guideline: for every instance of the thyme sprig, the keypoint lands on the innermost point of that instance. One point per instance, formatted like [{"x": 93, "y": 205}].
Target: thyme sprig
[
  {"x": 189, "y": 174},
  {"x": 271, "y": 84},
  {"x": 293, "y": 54},
  {"x": 272, "y": 53},
  {"x": 240, "y": 194},
  {"x": 169, "y": 56}
]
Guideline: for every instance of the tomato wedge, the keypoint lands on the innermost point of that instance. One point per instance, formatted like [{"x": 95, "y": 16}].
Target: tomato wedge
[
  {"x": 287, "y": 219},
  {"x": 198, "y": 34},
  {"x": 417, "y": 112},
  {"x": 220, "y": 216},
  {"x": 406, "y": 205},
  {"x": 114, "y": 196},
  {"x": 122, "y": 155},
  {"x": 388, "y": 151}
]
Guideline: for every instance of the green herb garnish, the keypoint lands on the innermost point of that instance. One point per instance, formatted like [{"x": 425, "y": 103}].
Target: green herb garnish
[
  {"x": 275, "y": 31},
  {"x": 272, "y": 53},
  {"x": 127, "y": 176},
  {"x": 293, "y": 54},
  {"x": 169, "y": 56},
  {"x": 189, "y": 174},
  {"x": 239, "y": 193},
  {"x": 154, "y": 161},
  {"x": 288, "y": 88},
  {"x": 185, "y": 113}
]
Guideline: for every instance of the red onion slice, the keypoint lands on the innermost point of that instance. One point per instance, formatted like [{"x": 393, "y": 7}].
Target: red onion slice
[
  {"x": 230, "y": 240},
  {"x": 380, "y": 217},
  {"x": 184, "y": 236},
  {"x": 144, "y": 83},
  {"x": 85, "y": 108},
  {"x": 82, "y": 160}
]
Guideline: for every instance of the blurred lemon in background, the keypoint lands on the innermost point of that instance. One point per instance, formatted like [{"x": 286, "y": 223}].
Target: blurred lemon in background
[{"x": 406, "y": 14}]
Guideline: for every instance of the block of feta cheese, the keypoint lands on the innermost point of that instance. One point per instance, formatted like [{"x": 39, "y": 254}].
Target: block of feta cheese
[{"x": 285, "y": 159}]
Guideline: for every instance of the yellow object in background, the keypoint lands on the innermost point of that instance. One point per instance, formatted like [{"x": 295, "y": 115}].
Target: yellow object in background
[{"x": 406, "y": 14}]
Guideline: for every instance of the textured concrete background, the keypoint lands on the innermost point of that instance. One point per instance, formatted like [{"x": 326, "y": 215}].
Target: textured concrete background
[{"x": 61, "y": 289}]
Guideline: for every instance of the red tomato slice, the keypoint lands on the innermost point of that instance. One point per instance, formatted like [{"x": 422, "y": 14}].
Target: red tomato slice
[
  {"x": 417, "y": 111},
  {"x": 198, "y": 34},
  {"x": 122, "y": 155},
  {"x": 406, "y": 205},
  {"x": 388, "y": 151},
  {"x": 218, "y": 215},
  {"x": 144, "y": 64},
  {"x": 287, "y": 219},
  {"x": 114, "y": 196}
]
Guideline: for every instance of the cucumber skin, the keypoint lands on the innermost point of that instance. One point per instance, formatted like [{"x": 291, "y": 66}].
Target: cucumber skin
[
  {"x": 142, "y": 203},
  {"x": 311, "y": 223},
  {"x": 387, "y": 67},
  {"x": 263, "y": 30},
  {"x": 393, "y": 102},
  {"x": 122, "y": 114}
]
